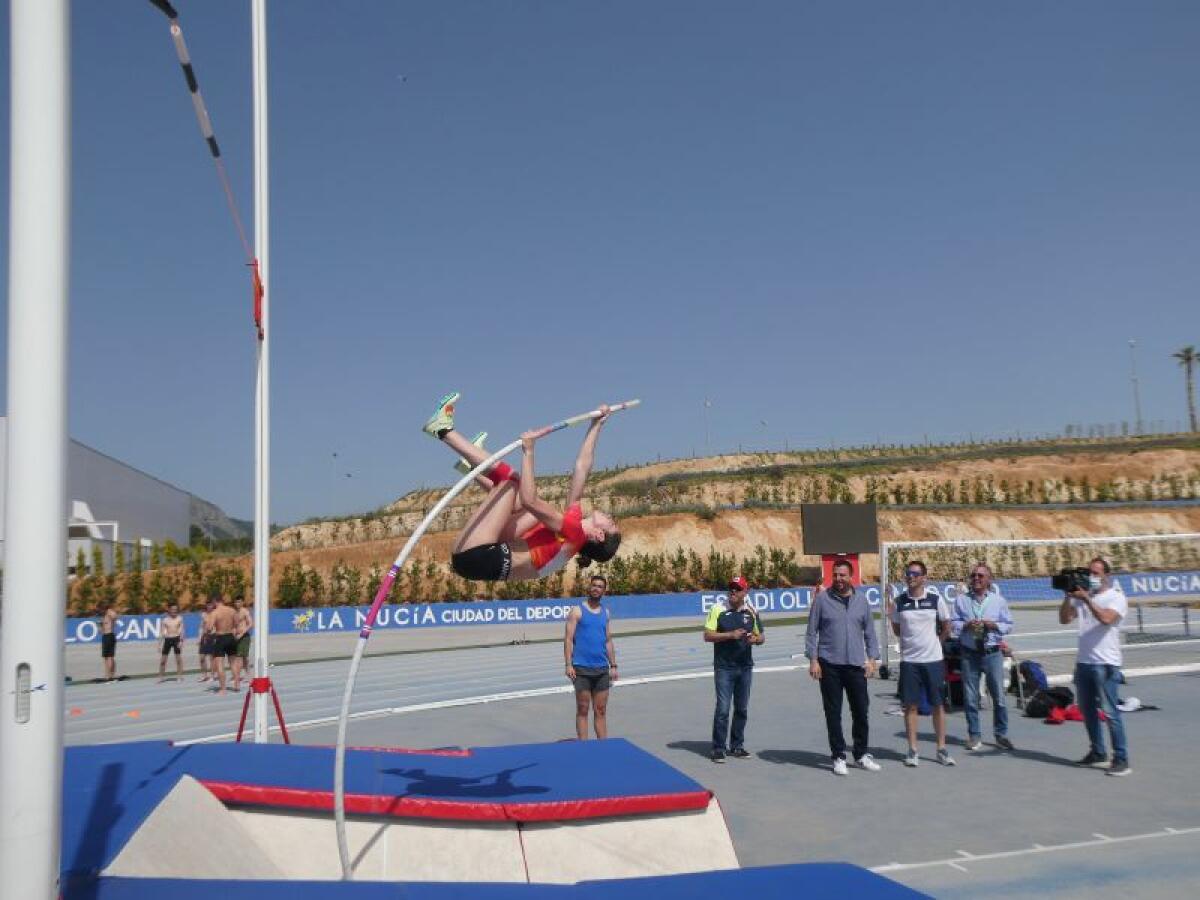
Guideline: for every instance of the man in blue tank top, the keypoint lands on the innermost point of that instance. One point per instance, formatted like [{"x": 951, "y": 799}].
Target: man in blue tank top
[{"x": 591, "y": 659}]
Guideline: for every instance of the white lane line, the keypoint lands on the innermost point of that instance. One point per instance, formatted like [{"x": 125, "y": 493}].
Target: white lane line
[
  {"x": 484, "y": 698},
  {"x": 956, "y": 862},
  {"x": 1136, "y": 673}
]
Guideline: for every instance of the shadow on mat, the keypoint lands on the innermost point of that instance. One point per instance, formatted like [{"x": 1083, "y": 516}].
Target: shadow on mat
[{"x": 423, "y": 783}]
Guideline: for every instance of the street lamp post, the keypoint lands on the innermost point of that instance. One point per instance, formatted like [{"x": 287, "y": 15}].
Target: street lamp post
[{"x": 1137, "y": 394}]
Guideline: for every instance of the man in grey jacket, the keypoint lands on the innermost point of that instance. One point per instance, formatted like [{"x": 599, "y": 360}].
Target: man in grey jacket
[{"x": 843, "y": 651}]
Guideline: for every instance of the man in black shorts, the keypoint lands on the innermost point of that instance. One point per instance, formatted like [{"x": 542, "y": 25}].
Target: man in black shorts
[
  {"x": 223, "y": 622},
  {"x": 108, "y": 640},
  {"x": 170, "y": 631}
]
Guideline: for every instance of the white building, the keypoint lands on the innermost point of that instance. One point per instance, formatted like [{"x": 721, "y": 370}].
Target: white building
[{"x": 111, "y": 502}]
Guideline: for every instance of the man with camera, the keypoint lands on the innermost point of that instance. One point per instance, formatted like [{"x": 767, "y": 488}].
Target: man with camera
[
  {"x": 1090, "y": 596},
  {"x": 980, "y": 621}
]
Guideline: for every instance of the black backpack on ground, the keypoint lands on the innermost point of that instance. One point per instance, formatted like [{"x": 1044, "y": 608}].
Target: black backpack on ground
[{"x": 1039, "y": 705}]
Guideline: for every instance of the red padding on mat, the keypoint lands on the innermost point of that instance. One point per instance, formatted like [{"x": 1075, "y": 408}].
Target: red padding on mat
[
  {"x": 444, "y": 751},
  {"x": 432, "y": 808}
]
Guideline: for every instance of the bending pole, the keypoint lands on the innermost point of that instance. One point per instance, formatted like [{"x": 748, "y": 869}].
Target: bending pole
[{"x": 385, "y": 588}]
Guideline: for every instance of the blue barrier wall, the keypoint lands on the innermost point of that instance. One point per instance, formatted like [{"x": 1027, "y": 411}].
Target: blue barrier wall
[{"x": 782, "y": 601}]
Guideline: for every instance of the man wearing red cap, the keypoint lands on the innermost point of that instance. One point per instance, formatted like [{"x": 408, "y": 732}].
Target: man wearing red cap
[{"x": 733, "y": 629}]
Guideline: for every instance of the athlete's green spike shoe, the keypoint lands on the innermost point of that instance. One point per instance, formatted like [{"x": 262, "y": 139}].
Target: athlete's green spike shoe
[
  {"x": 443, "y": 419},
  {"x": 462, "y": 465}
]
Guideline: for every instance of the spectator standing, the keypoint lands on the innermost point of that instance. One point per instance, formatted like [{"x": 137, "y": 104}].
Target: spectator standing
[
  {"x": 733, "y": 630},
  {"x": 980, "y": 621},
  {"x": 921, "y": 619},
  {"x": 843, "y": 652},
  {"x": 591, "y": 659}
]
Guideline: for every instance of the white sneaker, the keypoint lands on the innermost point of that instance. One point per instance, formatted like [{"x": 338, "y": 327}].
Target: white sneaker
[
  {"x": 839, "y": 766},
  {"x": 911, "y": 759},
  {"x": 867, "y": 761}
]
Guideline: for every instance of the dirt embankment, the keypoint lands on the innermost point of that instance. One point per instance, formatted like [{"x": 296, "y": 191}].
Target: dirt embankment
[
  {"x": 722, "y": 481},
  {"x": 740, "y": 531}
]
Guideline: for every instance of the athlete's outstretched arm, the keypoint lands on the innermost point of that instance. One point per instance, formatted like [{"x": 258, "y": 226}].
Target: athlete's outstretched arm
[
  {"x": 586, "y": 457},
  {"x": 527, "y": 492}
]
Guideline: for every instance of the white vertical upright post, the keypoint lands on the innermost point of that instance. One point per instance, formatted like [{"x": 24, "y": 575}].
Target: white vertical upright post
[
  {"x": 35, "y": 573},
  {"x": 262, "y": 405}
]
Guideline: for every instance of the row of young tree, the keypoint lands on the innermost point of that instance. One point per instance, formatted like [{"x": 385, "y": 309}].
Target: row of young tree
[
  {"x": 887, "y": 491},
  {"x": 1017, "y": 560},
  {"x": 424, "y": 581}
]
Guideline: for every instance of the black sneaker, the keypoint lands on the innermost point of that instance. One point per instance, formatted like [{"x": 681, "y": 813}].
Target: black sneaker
[
  {"x": 740, "y": 753},
  {"x": 1117, "y": 769},
  {"x": 1093, "y": 759},
  {"x": 1004, "y": 743},
  {"x": 718, "y": 756}
]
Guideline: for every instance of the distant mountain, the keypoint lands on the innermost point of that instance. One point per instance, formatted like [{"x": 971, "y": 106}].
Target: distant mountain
[{"x": 212, "y": 522}]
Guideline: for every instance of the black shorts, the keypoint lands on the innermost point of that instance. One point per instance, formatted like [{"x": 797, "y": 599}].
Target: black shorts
[
  {"x": 224, "y": 645},
  {"x": 487, "y": 562},
  {"x": 915, "y": 675},
  {"x": 206, "y": 644},
  {"x": 594, "y": 681},
  {"x": 170, "y": 644},
  {"x": 108, "y": 646}
]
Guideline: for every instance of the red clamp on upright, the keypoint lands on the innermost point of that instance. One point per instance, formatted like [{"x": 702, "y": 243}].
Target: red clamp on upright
[{"x": 262, "y": 686}]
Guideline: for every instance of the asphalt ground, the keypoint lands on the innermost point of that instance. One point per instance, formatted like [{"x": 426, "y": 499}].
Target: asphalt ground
[
  {"x": 1018, "y": 824},
  {"x": 410, "y": 669}
]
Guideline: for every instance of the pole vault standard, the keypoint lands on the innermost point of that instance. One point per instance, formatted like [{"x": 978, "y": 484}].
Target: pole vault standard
[
  {"x": 35, "y": 576},
  {"x": 385, "y": 588}
]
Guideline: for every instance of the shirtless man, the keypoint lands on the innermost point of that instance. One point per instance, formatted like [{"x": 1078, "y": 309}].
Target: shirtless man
[
  {"x": 243, "y": 625},
  {"x": 205, "y": 642},
  {"x": 223, "y": 621},
  {"x": 108, "y": 640},
  {"x": 170, "y": 630}
]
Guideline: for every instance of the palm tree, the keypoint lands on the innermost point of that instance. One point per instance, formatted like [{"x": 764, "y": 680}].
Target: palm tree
[{"x": 1188, "y": 358}]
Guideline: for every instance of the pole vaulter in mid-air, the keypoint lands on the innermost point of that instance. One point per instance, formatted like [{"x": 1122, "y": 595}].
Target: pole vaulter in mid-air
[
  {"x": 549, "y": 539},
  {"x": 515, "y": 535}
]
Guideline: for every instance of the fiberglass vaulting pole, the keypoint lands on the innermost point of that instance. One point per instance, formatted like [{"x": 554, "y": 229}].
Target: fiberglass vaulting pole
[
  {"x": 35, "y": 574},
  {"x": 262, "y": 405}
]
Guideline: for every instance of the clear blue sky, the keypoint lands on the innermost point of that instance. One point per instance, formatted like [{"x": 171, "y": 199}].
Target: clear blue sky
[{"x": 849, "y": 220}]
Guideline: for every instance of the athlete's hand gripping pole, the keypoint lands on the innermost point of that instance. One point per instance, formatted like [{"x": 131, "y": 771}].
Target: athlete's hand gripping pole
[{"x": 385, "y": 588}]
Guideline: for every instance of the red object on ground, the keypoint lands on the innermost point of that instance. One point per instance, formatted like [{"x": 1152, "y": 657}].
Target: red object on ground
[{"x": 262, "y": 686}]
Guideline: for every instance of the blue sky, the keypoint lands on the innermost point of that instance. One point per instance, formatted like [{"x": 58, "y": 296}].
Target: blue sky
[{"x": 852, "y": 221}]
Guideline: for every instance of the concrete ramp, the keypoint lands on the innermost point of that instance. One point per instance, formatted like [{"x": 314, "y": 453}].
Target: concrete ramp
[
  {"x": 190, "y": 834},
  {"x": 387, "y": 849},
  {"x": 628, "y": 846}
]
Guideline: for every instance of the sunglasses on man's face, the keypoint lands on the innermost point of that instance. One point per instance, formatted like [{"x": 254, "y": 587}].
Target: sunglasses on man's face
[{"x": 913, "y": 573}]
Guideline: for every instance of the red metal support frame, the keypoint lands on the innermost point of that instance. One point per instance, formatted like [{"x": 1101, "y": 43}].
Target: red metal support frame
[{"x": 262, "y": 686}]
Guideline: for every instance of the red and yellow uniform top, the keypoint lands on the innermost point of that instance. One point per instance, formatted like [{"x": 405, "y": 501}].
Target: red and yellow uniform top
[{"x": 549, "y": 550}]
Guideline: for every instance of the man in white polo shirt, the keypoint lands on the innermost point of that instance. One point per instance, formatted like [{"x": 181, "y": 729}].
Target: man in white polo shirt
[
  {"x": 1100, "y": 610},
  {"x": 921, "y": 620}
]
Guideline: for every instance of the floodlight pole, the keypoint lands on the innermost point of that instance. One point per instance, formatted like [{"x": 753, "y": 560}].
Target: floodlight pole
[
  {"x": 1137, "y": 394},
  {"x": 262, "y": 405},
  {"x": 35, "y": 573}
]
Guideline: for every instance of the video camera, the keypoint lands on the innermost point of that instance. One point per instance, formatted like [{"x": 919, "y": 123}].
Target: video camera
[{"x": 1071, "y": 580}]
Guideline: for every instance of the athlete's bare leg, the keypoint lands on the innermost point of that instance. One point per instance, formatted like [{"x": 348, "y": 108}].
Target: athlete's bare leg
[{"x": 488, "y": 522}]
